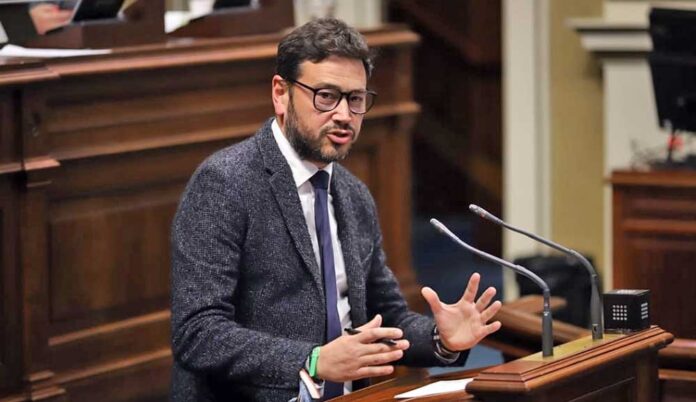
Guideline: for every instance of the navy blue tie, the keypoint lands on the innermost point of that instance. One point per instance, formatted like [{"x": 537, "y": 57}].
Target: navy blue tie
[{"x": 320, "y": 181}]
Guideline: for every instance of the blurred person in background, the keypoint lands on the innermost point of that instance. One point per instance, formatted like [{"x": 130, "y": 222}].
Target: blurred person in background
[{"x": 47, "y": 16}]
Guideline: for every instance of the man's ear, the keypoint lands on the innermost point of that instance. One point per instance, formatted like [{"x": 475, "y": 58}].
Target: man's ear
[{"x": 280, "y": 95}]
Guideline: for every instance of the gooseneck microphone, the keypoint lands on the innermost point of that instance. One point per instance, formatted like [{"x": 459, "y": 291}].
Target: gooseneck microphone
[
  {"x": 546, "y": 320},
  {"x": 595, "y": 301}
]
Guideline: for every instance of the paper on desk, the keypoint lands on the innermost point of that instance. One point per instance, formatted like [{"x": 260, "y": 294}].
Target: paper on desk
[
  {"x": 174, "y": 20},
  {"x": 18, "y": 51},
  {"x": 439, "y": 387}
]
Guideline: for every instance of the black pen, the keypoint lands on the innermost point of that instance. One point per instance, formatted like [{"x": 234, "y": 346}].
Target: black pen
[{"x": 386, "y": 341}]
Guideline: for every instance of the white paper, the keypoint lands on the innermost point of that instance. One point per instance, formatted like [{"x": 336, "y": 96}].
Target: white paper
[
  {"x": 18, "y": 51},
  {"x": 174, "y": 20},
  {"x": 199, "y": 8},
  {"x": 3, "y": 34},
  {"x": 439, "y": 387}
]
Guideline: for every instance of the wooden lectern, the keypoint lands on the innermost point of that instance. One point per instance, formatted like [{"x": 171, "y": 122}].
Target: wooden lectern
[
  {"x": 142, "y": 23},
  {"x": 520, "y": 335},
  {"x": 617, "y": 368}
]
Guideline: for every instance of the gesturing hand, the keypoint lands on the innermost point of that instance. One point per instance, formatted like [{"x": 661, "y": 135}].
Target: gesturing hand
[
  {"x": 463, "y": 324},
  {"x": 351, "y": 357}
]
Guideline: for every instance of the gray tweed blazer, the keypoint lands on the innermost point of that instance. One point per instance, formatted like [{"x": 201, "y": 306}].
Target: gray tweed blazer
[{"x": 247, "y": 292}]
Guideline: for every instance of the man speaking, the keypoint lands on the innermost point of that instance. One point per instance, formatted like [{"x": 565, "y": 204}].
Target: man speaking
[{"x": 277, "y": 250}]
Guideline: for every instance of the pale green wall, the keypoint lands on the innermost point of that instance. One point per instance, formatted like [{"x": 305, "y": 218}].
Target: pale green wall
[{"x": 577, "y": 180}]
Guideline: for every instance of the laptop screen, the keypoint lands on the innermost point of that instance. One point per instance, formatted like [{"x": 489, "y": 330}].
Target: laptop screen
[{"x": 96, "y": 10}]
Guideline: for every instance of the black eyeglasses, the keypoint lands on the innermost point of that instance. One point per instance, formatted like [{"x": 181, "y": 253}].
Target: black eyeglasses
[{"x": 327, "y": 99}]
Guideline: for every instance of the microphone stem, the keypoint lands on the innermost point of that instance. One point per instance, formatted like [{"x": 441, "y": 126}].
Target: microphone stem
[
  {"x": 546, "y": 327},
  {"x": 546, "y": 319},
  {"x": 595, "y": 300}
]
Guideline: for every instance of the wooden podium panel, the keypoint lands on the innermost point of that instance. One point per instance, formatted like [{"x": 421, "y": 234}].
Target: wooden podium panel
[
  {"x": 654, "y": 223},
  {"x": 654, "y": 248},
  {"x": 95, "y": 154}
]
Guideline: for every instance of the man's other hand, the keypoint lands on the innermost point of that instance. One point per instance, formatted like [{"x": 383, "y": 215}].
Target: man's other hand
[{"x": 352, "y": 357}]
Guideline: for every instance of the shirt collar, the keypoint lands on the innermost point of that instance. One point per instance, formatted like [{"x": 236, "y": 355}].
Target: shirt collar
[{"x": 302, "y": 170}]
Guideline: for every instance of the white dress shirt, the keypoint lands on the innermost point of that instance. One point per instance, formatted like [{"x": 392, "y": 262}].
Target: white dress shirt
[{"x": 302, "y": 171}]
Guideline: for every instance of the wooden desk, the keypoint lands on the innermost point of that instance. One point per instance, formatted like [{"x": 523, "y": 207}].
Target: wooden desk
[{"x": 94, "y": 154}]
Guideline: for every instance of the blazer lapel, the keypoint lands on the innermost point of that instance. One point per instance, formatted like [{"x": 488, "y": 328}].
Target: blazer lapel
[
  {"x": 285, "y": 193},
  {"x": 347, "y": 233}
]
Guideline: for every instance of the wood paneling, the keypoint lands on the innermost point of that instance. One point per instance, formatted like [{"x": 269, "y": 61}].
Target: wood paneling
[
  {"x": 9, "y": 303},
  {"x": 654, "y": 224},
  {"x": 458, "y": 137},
  {"x": 658, "y": 262},
  {"x": 145, "y": 379},
  {"x": 110, "y": 251},
  {"x": 10, "y": 333},
  {"x": 655, "y": 243},
  {"x": 95, "y": 154},
  {"x": 9, "y": 151}
]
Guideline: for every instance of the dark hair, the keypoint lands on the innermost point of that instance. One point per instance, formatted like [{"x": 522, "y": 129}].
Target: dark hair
[{"x": 316, "y": 41}]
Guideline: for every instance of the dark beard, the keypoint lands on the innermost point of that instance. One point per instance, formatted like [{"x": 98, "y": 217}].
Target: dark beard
[{"x": 307, "y": 148}]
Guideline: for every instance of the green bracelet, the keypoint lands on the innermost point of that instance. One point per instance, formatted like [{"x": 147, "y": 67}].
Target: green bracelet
[{"x": 313, "y": 359}]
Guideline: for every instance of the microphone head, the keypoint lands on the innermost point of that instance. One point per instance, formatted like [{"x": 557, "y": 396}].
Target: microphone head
[
  {"x": 485, "y": 214},
  {"x": 479, "y": 211},
  {"x": 438, "y": 225}
]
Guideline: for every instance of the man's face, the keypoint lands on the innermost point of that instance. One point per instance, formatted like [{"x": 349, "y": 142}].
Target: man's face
[{"x": 322, "y": 137}]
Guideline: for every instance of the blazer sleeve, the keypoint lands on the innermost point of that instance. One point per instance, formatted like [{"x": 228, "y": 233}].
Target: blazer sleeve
[
  {"x": 207, "y": 241},
  {"x": 384, "y": 297}
]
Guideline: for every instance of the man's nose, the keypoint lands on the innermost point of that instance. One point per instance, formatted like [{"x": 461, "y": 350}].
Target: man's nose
[{"x": 342, "y": 111}]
